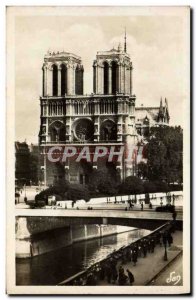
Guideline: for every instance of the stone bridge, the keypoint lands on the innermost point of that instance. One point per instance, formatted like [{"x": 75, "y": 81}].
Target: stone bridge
[{"x": 41, "y": 220}]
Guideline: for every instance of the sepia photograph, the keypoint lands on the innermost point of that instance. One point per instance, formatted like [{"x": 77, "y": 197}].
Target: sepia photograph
[{"x": 98, "y": 145}]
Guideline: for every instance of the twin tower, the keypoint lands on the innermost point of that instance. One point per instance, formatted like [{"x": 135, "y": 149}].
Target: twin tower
[
  {"x": 105, "y": 117},
  {"x": 63, "y": 73}
]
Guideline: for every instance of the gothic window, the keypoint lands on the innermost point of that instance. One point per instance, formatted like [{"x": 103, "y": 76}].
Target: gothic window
[
  {"x": 114, "y": 77},
  {"x": 84, "y": 130},
  {"x": 108, "y": 131},
  {"x": 106, "y": 79},
  {"x": 57, "y": 132},
  {"x": 55, "y": 80},
  {"x": 63, "y": 80},
  {"x": 43, "y": 83},
  {"x": 77, "y": 81}
]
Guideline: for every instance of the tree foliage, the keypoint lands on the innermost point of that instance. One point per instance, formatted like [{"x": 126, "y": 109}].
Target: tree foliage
[
  {"x": 102, "y": 181},
  {"x": 63, "y": 190},
  {"x": 132, "y": 185},
  {"x": 164, "y": 154}
]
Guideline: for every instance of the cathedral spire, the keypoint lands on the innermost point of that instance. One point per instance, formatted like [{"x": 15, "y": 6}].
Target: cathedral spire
[
  {"x": 161, "y": 109},
  {"x": 125, "y": 43},
  {"x": 161, "y": 103},
  {"x": 166, "y": 106}
]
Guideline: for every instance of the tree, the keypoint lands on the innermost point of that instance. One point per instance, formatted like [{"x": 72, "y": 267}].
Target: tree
[
  {"x": 77, "y": 192},
  {"x": 164, "y": 154},
  {"x": 142, "y": 170},
  {"x": 132, "y": 185},
  {"x": 63, "y": 190},
  {"x": 103, "y": 181}
]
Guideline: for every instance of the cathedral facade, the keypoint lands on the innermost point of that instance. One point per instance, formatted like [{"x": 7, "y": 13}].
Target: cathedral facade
[{"x": 106, "y": 117}]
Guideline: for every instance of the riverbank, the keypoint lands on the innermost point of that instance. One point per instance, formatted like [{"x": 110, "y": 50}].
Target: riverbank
[{"x": 147, "y": 267}]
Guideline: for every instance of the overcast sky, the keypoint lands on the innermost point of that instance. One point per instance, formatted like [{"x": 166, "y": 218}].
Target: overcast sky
[{"x": 157, "y": 46}]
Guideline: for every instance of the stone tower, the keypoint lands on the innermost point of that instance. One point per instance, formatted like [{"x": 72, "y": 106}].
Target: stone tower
[
  {"x": 112, "y": 72},
  {"x": 62, "y": 74},
  {"x": 105, "y": 117}
]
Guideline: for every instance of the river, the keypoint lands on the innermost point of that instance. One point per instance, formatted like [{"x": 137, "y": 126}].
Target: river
[{"x": 53, "y": 267}]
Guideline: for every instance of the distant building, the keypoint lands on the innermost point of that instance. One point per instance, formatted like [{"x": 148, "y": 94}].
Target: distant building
[
  {"x": 36, "y": 174},
  {"x": 22, "y": 163},
  {"x": 27, "y": 164},
  {"x": 147, "y": 117}
]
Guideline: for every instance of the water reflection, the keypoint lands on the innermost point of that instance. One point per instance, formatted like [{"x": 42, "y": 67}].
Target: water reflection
[{"x": 56, "y": 266}]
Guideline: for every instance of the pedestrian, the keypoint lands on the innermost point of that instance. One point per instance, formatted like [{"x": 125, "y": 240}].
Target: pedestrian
[
  {"x": 91, "y": 280},
  {"x": 134, "y": 257},
  {"x": 114, "y": 271},
  {"x": 174, "y": 215},
  {"x": 130, "y": 276},
  {"x": 149, "y": 245},
  {"x": 142, "y": 206},
  {"x": 139, "y": 250},
  {"x": 144, "y": 249},
  {"x": 152, "y": 245},
  {"x": 80, "y": 281},
  {"x": 170, "y": 239},
  {"x": 173, "y": 199},
  {"x": 102, "y": 271},
  {"x": 122, "y": 278},
  {"x": 108, "y": 273},
  {"x": 165, "y": 237},
  {"x": 124, "y": 257}
]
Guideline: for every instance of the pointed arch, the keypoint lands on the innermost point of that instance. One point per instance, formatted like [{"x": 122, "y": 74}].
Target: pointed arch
[
  {"x": 54, "y": 80},
  {"x": 63, "y": 80},
  {"x": 114, "y": 77},
  {"x": 106, "y": 78}
]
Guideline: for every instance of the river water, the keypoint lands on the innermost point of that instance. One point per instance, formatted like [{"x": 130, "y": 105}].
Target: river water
[{"x": 53, "y": 267}]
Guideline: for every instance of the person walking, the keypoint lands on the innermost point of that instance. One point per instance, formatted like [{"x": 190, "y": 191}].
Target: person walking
[
  {"x": 122, "y": 278},
  {"x": 142, "y": 206},
  {"x": 134, "y": 257},
  {"x": 114, "y": 271},
  {"x": 174, "y": 215},
  {"x": 108, "y": 272},
  {"x": 131, "y": 277},
  {"x": 144, "y": 249},
  {"x": 170, "y": 239},
  {"x": 152, "y": 243}
]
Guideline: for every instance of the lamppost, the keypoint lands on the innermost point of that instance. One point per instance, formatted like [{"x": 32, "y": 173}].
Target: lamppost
[
  {"x": 161, "y": 202},
  {"x": 25, "y": 197},
  {"x": 165, "y": 244},
  {"x": 173, "y": 200}
]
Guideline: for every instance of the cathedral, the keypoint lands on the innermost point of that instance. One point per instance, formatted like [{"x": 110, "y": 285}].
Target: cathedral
[{"x": 108, "y": 116}]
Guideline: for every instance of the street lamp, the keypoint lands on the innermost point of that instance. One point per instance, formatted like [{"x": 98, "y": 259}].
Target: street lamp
[
  {"x": 173, "y": 200},
  {"x": 165, "y": 235},
  {"x": 25, "y": 197}
]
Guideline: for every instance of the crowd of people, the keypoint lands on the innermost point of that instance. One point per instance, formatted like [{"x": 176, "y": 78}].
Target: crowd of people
[{"x": 112, "y": 269}]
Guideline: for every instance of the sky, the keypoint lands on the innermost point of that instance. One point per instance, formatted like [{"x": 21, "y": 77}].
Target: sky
[{"x": 157, "y": 46}]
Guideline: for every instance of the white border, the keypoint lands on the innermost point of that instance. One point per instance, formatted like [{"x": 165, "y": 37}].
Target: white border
[{"x": 73, "y": 2}]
